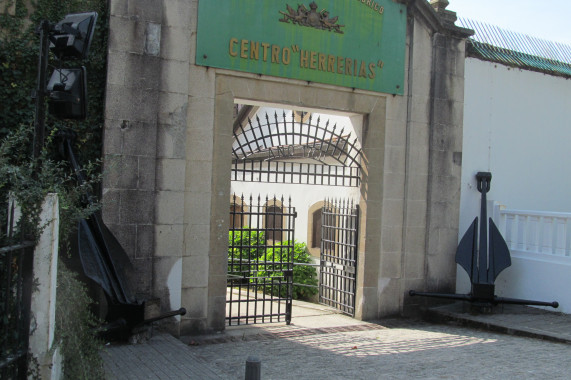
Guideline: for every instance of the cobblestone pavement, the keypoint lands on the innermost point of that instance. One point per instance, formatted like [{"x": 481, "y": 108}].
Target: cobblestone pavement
[
  {"x": 323, "y": 344},
  {"x": 162, "y": 357},
  {"x": 392, "y": 349},
  {"x": 413, "y": 350}
]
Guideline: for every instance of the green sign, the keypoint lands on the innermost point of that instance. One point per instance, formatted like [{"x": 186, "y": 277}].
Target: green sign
[{"x": 350, "y": 43}]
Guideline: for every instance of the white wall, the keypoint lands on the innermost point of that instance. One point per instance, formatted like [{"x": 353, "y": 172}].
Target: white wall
[
  {"x": 537, "y": 277},
  {"x": 517, "y": 125},
  {"x": 303, "y": 196}
]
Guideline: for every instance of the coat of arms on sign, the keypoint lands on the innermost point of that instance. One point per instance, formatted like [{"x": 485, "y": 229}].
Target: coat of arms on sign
[{"x": 311, "y": 17}]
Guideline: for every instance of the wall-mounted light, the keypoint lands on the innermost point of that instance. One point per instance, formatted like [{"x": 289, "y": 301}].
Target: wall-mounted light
[
  {"x": 67, "y": 91},
  {"x": 71, "y": 37}
]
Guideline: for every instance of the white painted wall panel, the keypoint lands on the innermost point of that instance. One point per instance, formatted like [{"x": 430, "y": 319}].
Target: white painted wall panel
[
  {"x": 517, "y": 125},
  {"x": 539, "y": 278}
]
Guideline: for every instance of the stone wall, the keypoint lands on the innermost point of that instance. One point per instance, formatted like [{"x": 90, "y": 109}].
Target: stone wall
[
  {"x": 131, "y": 121},
  {"x": 445, "y": 161},
  {"x": 145, "y": 139},
  {"x": 167, "y": 158}
]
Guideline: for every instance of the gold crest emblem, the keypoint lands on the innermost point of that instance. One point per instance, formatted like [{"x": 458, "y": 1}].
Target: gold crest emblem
[{"x": 311, "y": 18}]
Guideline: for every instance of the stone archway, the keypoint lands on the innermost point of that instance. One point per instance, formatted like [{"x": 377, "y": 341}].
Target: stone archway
[{"x": 231, "y": 89}]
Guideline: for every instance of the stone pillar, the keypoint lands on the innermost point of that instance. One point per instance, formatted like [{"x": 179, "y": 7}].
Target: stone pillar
[
  {"x": 130, "y": 138},
  {"x": 445, "y": 160},
  {"x": 43, "y": 308},
  {"x": 413, "y": 184},
  {"x": 171, "y": 161},
  {"x": 146, "y": 188}
]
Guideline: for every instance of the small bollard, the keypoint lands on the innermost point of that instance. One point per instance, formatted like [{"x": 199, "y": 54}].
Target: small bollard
[{"x": 253, "y": 368}]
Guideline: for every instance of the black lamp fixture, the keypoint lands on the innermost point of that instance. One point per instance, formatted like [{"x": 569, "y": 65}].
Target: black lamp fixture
[
  {"x": 67, "y": 90},
  {"x": 71, "y": 37}
]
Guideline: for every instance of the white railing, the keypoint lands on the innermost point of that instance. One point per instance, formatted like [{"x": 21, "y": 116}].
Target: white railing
[
  {"x": 540, "y": 247},
  {"x": 547, "y": 233}
]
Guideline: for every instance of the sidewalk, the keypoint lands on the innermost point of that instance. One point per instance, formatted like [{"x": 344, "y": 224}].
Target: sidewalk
[
  {"x": 508, "y": 319},
  {"x": 161, "y": 357},
  {"x": 323, "y": 344}
]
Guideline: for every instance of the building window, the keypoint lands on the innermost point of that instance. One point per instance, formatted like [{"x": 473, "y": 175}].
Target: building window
[
  {"x": 274, "y": 223},
  {"x": 314, "y": 215},
  {"x": 301, "y": 116},
  {"x": 238, "y": 213},
  {"x": 316, "y": 229},
  {"x": 236, "y": 217}
]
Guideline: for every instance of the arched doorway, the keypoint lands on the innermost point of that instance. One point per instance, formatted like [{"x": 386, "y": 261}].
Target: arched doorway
[
  {"x": 276, "y": 148},
  {"x": 369, "y": 109}
]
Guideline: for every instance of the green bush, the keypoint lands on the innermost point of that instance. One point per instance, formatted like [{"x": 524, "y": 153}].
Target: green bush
[
  {"x": 245, "y": 244},
  {"x": 302, "y": 274},
  {"x": 249, "y": 245},
  {"x": 79, "y": 347}
]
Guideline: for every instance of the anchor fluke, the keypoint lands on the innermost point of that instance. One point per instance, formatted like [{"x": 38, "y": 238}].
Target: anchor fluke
[
  {"x": 465, "y": 256},
  {"x": 499, "y": 252}
]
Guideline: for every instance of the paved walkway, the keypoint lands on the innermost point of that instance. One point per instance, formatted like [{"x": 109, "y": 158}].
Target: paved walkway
[
  {"x": 162, "y": 357},
  {"x": 509, "y": 319},
  {"x": 322, "y": 344}
]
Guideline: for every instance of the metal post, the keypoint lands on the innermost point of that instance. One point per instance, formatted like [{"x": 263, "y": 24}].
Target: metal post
[
  {"x": 484, "y": 179},
  {"x": 40, "y": 117},
  {"x": 253, "y": 368}
]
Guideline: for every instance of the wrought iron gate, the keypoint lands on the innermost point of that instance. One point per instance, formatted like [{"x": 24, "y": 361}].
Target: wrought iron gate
[
  {"x": 282, "y": 149},
  {"x": 16, "y": 283},
  {"x": 260, "y": 261},
  {"x": 338, "y": 258}
]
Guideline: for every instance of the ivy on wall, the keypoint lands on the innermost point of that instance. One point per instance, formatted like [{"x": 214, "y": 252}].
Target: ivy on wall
[{"x": 19, "y": 49}]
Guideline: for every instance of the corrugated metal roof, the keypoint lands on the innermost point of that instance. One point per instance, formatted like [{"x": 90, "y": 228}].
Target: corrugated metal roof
[{"x": 495, "y": 44}]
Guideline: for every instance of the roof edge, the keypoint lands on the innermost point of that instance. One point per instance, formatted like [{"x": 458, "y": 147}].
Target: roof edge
[{"x": 511, "y": 58}]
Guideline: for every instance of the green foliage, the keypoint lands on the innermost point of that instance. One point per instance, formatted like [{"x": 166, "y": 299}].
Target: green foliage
[
  {"x": 79, "y": 348},
  {"x": 250, "y": 245},
  {"x": 29, "y": 181},
  {"x": 245, "y": 244},
  {"x": 302, "y": 274},
  {"x": 18, "y": 63}
]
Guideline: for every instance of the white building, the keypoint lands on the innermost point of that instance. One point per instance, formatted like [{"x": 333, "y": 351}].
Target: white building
[{"x": 517, "y": 125}]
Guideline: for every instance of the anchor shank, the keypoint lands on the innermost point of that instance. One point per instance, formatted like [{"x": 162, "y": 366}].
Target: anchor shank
[{"x": 484, "y": 179}]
